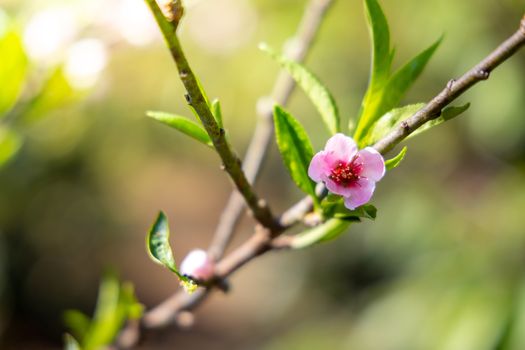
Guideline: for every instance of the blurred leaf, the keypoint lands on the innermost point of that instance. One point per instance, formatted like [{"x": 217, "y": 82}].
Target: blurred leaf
[
  {"x": 326, "y": 231},
  {"x": 107, "y": 319},
  {"x": 394, "y": 162},
  {"x": 77, "y": 322},
  {"x": 116, "y": 303},
  {"x": 217, "y": 111},
  {"x": 317, "y": 92},
  {"x": 295, "y": 148},
  {"x": 134, "y": 308},
  {"x": 12, "y": 70},
  {"x": 70, "y": 343},
  {"x": 447, "y": 114},
  {"x": 182, "y": 124},
  {"x": 390, "y": 120},
  {"x": 10, "y": 143},
  {"x": 54, "y": 93}
]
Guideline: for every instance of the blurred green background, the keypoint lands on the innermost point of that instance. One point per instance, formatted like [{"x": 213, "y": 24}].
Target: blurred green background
[{"x": 83, "y": 174}]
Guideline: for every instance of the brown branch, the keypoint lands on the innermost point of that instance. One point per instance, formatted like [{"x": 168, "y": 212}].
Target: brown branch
[
  {"x": 197, "y": 100},
  {"x": 454, "y": 89},
  {"x": 297, "y": 50}
]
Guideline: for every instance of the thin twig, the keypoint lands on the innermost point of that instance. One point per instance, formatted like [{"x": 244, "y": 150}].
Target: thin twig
[
  {"x": 453, "y": 90},
  {"x": 196, "y": 99},
  {"x": 297, "y": 50}
]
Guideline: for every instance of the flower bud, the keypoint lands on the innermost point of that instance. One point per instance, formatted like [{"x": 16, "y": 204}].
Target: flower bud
[{"x": 198, "y": 265}]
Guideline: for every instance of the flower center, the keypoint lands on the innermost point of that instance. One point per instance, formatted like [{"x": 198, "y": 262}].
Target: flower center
[{"x": 345, "y": 174}]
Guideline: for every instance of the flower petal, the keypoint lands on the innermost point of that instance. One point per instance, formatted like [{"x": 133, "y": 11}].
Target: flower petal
[
  {"x": 341, "y": 147},
  {"x": 334, "y": 187},
  {"x": 319, "y": 166},
  {"x": 361, "y": 192},
  {"x": 373, "y": 164}
]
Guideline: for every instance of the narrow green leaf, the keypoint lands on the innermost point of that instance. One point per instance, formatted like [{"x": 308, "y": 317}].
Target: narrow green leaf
[
  {"x": 12, "y": 69},
  {"x": 158, "y": 243},
  {"x": 382, "y": 57},
  {"x": 447, "y": 114},
  {"x": 394, "y": 90},
  {"x": 70, "y": 343},
  {"x": 380, "y": 40},
  {"x": 404, "y": 78},
  {"x": 182, "y": 124},
  {"x": 385, "y": 91},
  {"x": 314, "y": 89},
  {"x": 390, "y": 120},
  {"x": 394, "y": 162},
  {"x": 295, "y": 148},
  {"x": 326, "y": 231},
  {"x": 10, "y": 143},
  {"x": 217, "y": 111}
]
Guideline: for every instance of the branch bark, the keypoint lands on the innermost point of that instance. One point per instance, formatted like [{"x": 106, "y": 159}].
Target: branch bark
[
  {"x": 454, "y": 89},
  {"x": 297, "y": 50},
  {"x": 197, "y": 100}
]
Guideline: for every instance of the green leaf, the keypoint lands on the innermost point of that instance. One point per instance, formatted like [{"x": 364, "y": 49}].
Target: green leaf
[
  {"x": 404, "y": 78},
  {"x": 380, "y": 68},
  {"x": 317, "y": 92},
  {"x": 385, "y": 91},
  {"x": 70, "y": 343},
  {"x": 158, "y": 243},
  {"x": 326, "y": 231},
  {"x": 10, "y": 143},
  {"x": 380, "y": 36},
  {"x": 447, "y": 114},
  {"x": 182, "y": 124},
  {"x": 394, "y": 162},
  {"x": 12, "y": 70},
  {"x": 295, "y": 148},
  {"x": 159, "y": 249},
  {"x": 217, "y": 111},
  {"x": 336, "y": 209},
  {"x": 390, "y": 120}
]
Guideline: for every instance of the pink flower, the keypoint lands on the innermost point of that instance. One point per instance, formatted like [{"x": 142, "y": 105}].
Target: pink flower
[
  {"x": 198, "y": 265},
  {"x": 346, "y": 171}
]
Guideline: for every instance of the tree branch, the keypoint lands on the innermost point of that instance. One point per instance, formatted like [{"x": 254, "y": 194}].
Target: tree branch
[
  {"x": 453, "y": 90},
  {"x": 297, "y": 50},
  {"x": 197, "y": 100}
]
